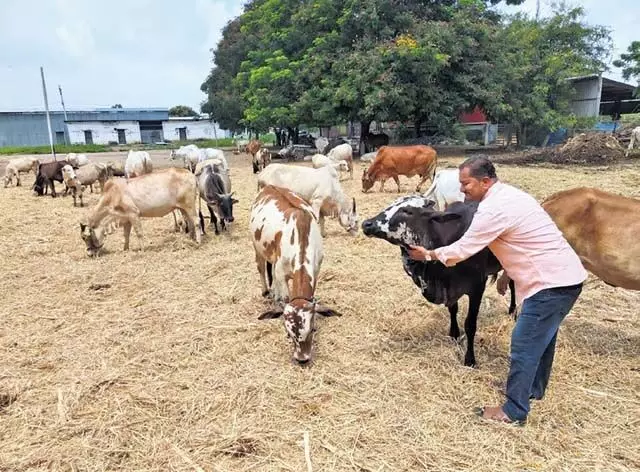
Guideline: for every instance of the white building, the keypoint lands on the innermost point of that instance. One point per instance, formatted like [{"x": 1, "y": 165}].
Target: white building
[{"x": 190, "y": 128}]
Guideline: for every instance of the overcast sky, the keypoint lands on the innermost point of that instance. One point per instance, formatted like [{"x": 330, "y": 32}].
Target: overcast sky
[{"x": 150, "y": 53}]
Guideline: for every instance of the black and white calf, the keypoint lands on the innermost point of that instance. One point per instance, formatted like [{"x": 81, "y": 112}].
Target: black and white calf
[
  {"x": 412, "y": 220},
  {"x": 214, "y": 187}
]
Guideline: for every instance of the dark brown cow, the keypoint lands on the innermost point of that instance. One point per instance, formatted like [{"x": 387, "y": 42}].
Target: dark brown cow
[
  {"x": 48, "y": 172},
  {"x": 374, "y": 141}
]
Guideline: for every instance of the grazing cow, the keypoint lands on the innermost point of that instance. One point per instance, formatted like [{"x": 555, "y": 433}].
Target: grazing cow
[
  {"x": 92, "y": 173},
  {"x": 393, "y": 161},
  {"x": 635, "y": 136},
  {"x": 214, "y": 187},
  {"x": 602, "y": 228},
  {"x": 319, "y": 187},
  {"x": 369, "y": 157},
  {"x": 411, "y": 220},
  {"x": 343, "y": 152},
  {"x": 209, "y": 162},
  {"x": 445, "y": 189},
  {"x": 332, "y": 144},
  {"x": 154, "y": 195},
  {"x": 15, "y": 166},
  {"x": 182, "y": 151},
  {"x": 373, "y": 141},
  {"x": 241, "y": 144},
  {"x": 77, "y": 160},
  {"x": 320, "y": 160},
  {"x": 138, "y": 163},
  {"x": 72, "y": 183},
  {"x": 321, "y": 143},
  {"x": 46, "y": 174},
  {"x": 288, "y": 248},
  {"x": 253, "y": 147},
  {"x": 115, "y": 168}
]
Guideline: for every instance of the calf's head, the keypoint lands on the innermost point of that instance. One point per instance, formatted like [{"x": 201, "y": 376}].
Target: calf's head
[
  {"x": 299, "y": 321},
  {"x": 402, "y": 223},
  {"x": 367, "y": 181},
  {"x": 93, "y": 238},
  {"x": 348, "y": 218},
  {"x": 224, "y": 202}
]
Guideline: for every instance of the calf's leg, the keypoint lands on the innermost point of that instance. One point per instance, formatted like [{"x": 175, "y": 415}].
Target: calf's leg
[
  {"x": 127, "y": 233},
  {"x": 261, "y": 263},
  {"x": 454, "y": 330}
]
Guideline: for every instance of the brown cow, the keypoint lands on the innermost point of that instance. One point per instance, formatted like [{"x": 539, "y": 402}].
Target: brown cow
[
  {"x": 253, "y": 147},
  {"x": 393, "y": 161},
  {"x": 603, "y": 229}
]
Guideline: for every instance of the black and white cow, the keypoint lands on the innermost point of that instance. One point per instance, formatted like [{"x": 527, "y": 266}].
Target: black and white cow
[
  {"x": 214, "y": 187},
  {"x": 412, "y": 220}
]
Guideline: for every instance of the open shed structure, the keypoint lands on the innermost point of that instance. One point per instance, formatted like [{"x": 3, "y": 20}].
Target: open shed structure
[{"x": 596, "y": 95}]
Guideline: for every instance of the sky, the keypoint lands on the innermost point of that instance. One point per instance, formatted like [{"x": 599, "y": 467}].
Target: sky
[{"x": 153, "y": 53}]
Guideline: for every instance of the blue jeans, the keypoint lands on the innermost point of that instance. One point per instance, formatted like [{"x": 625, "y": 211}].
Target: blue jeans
[{"x": 533, "y": 344}]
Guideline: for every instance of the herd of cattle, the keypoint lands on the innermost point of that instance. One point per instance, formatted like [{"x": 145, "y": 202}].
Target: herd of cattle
[{"x": 287, "y": 221}]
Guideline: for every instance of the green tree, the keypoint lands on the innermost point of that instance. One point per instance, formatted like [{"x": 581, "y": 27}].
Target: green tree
[
  {"x": 182, "y": 110},
  {"x": 117, "y": 105},
  {"x": 630, "y": 63}
]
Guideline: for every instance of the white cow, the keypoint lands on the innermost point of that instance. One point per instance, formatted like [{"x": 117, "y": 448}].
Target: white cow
[
  {"x": 445, "y": 189},
  {"x": 288, "y": 247},
  {"x": 77, "y": 160},
  {"x": 320, "y": 160},
  {"x": 211, "y": 153},
  {"x": 137, "y": 163},
  {"x": 635, "y": 136},
  {"x": 369, "y": 157},
  {"x": 72, "y": 183},
  {"x": 15, "y": 166},
  {"x": 343, "y": 152},
  {"x": 320, "y": 187}
]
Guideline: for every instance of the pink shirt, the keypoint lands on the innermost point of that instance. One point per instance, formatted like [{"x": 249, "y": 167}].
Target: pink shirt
[{"x": 523, "y": 237}]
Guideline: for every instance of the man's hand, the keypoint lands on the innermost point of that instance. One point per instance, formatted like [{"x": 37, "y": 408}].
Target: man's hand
[{"x": 418, "y": 253}]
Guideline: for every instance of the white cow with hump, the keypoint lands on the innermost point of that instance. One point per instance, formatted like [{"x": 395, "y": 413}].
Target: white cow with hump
[
  {"x": 319, "y": 187},
  {"x": 445, "y": 189},
  {"x": 288, "y": 247}
]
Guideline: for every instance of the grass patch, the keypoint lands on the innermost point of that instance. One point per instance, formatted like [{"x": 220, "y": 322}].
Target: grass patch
[{"x": 60, "y": 149}]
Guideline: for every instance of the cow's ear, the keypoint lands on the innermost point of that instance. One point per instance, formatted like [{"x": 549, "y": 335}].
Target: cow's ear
[
  {"x": 444, "y": 217},
  {"x": 234, "y": 200},
  {"x": 271, "y": 314},
  {"x": 326, "y": 311}
]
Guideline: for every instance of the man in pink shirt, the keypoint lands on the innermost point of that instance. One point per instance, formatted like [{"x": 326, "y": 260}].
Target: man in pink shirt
[{"x": 547, "y": 272}]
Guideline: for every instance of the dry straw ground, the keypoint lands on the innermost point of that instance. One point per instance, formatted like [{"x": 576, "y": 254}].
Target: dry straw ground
[{"x": 156, "y": 361}]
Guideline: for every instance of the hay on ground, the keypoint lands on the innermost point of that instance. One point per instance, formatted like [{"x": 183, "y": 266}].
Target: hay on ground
[{"x": 156, "y": 360}]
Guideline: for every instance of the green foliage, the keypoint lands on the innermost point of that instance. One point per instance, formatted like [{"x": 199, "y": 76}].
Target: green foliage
[
  {"x": 182, "y": 110},
  {"x": 60, "y": 149},
  {"x": 286, "y": 63},
  {"x": 630, "y": 63},
  {"x": 117, "y": 105}
]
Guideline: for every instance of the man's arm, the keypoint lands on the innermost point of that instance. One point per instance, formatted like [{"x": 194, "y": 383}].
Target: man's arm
[{"x": 484, "y": 229}]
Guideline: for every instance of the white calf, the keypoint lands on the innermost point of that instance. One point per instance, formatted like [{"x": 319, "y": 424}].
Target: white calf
[
  {"x": 137, "y": 163},
  {"x": 15, "y": 166},
  {"x": 445, "y": 189},
  {"x": 343, "y": 152},
  {"x": 635, "y": 136},
  {"x": 72, "y": 183}
]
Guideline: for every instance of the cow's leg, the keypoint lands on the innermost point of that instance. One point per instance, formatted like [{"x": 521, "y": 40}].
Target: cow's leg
[
  {"x": 280, "y": 288},
  {"x": 470, "y": 324},
  {"x": 323, "y": 231},
  {"x": 214, "y": 219},
  {"x": 454, "y": 330},
  {"x": 53, "y": 188},
  {"x": 261, "y": 263},
  {"x": 73, "y": 194},
  {"x": 127, "y": 233},
  {"x": 176, "y": 227},
  {"x": 512, "y": 303},
  {"x": 137, "y": 227},
  {"x": 350, "y": 169},
  {"x": 397, "y": 179},
  {"x": 17, "y": 180},
  {"x": 422, "y": 181},
  {"x": 91, "y": 187},
  {"x": 81, "y": 202},
  {"x": 382, "y": 182},
  {"x": 631, "y": 144}
]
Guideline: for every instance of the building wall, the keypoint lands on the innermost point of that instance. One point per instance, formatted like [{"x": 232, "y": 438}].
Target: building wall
[
  {"x": 28, "y": 129},
  {"x": 103, "y": 132},
  {"x": 196, "y": 129},
  {"x": 586, "y": 98}
]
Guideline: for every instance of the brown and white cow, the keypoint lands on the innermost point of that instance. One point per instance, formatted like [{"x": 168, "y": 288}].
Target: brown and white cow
[
  {"x": 603, "y": 229},
  {"x": 288, "y": 246},
  {"x": 393, "y": 161},
  {"x": 153, "y": 195}
]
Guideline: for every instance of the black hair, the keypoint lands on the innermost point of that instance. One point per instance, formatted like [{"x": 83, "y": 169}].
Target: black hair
[{"x": 479, "y": 167}]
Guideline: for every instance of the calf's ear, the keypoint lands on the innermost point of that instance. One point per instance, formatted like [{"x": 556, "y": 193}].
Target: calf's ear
[
  {"x": 326, "y": 311},
  {"x": 444, "y": 217},
  {"x": 271, "y": 314}
]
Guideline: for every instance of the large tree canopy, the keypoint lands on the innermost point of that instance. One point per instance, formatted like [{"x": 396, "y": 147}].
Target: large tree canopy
[{"x": 284, "y": 63}]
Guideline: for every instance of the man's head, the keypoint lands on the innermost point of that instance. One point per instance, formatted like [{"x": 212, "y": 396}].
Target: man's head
[{"x": 477, "y": 175}]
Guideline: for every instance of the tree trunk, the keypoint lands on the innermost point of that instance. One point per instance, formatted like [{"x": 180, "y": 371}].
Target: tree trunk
[
  {"x": 508, "y": 136},
  {"x": 418, "y": 124},
  {"x": 364, "y": 133},
  {"x": 296, "y": 136}
]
